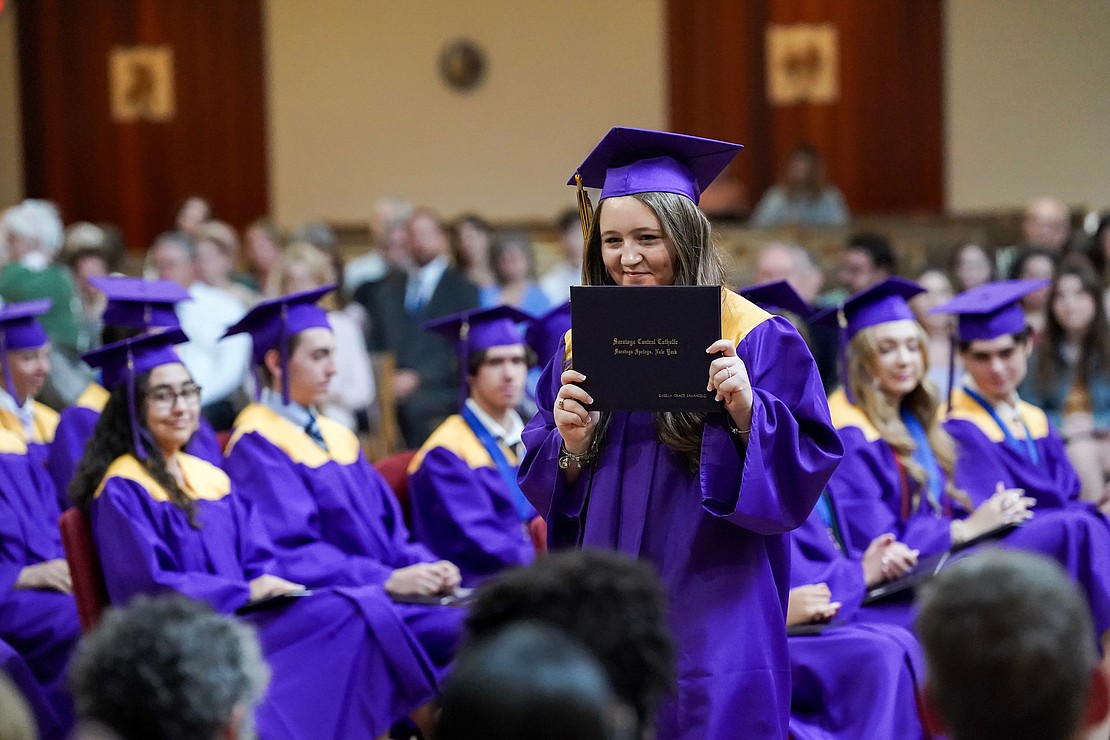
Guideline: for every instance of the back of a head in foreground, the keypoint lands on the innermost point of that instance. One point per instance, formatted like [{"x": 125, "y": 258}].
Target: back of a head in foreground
[
  {"x": 610, "y": 603},
  {"x": 1009, "y": 647},
  {"x": 170, "y": 668},
  {"x": 530, "y": 680},
  {"x": 16, "y": 722}
]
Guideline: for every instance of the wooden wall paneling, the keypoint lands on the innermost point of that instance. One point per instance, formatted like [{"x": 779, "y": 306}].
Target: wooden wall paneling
[{"x": 135, "y": 174}]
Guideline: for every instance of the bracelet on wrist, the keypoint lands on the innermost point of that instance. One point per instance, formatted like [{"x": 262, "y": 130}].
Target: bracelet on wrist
[
  {"x": 578, "y": 460},
  {"x": 735, "y": 429}
]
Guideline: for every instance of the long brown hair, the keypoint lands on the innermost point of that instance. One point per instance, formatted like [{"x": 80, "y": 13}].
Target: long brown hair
[
  {"x": 697, "y": 262},
  {"x": 1094, "y": 354},
  {"x": 922, "y": 402}
]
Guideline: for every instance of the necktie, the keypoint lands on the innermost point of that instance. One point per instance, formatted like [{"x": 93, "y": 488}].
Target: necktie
[{"x": 312, "y": 429}]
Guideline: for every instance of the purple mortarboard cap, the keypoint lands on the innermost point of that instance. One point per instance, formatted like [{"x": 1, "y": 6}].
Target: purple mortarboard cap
[
  {"x": 137, "y": 354},
  {"x": 882, "y": 302},
  {"x": 140, "y": 304},
  {"x": 20, "y": 329},
  {"x": 777, "y": 295},
  {"x": 271, "y": 322},
  {"x": 545, "y": 332},
  {"x": 990, "y": 310},
  {"x": 478, "y": 329},
  {"x": 121, "y": 362},
  {"x": 633, "y": 160}
]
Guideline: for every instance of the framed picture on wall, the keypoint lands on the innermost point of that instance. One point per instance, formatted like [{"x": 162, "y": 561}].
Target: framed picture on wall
[
  {"x": 141, "y": 83},
  {"x": 802, "y": 63}
]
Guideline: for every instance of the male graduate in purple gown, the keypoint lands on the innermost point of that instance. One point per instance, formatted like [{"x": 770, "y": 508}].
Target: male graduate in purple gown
[
  {"x": 332, "y": 518},
  {"x": 344, "y": 663},
  {"x": 709, "y": 503},
  {"x": 896, "y": 473},
  {"x": 133, "y": 306},
  {"x": 830, "y": 696},
  {"x": 466, "y": 504},
  {"x": 38, "y": 616},
  {"x": 1002, "y": 440}
]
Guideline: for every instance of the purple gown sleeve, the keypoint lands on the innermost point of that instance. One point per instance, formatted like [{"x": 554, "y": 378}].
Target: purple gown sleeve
[
  {"x": 867, "y": 489},
  {"x": 290, "y": 516},
  {"x": 792, "y": 448},
  {"x": 137, "y": 561},
  {"x": 814, "y": 558},
  {"x": 28, "y": 519},
  {"x": 75, "y": 427},
  {"x": 454, "y": 514}
]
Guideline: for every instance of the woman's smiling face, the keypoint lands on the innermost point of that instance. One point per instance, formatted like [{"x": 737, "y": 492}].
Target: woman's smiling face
[{"x": 634, "y": 247}]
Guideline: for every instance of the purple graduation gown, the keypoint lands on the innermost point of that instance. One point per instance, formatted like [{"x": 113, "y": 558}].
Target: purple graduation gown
[
  {"x": 717, "y": 535},
  {"x": 41, "y": 625},
  {"x": 44, "y": 424},
  {"x": 874, "y": 497},
  {"x": 462, "y": 508},
  {"x": 343, "y": 664},
  {"x": 75, "y": 428},
  {"x": 16, "y": 669},
  {"x": 985, "y": 457},
  {"x": 331, "y": 517}
]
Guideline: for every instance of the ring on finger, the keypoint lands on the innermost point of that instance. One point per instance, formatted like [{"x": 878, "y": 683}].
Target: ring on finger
[
  {"x": 560, "y": 403},
  {"x": 729, "y": 371}
]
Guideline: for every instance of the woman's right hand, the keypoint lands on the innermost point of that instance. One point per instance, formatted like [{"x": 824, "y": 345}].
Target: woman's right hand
[
  {"x": 574, "y": 421},
  {"x": 422, "y": 579},
  {"x": 266, "y": 586},
  {"x": 887, "y": 558},
  {"x": 812, "y": 603},
  {"x": 1005, "y": 506},
  {"x": 50, "y": 575}
]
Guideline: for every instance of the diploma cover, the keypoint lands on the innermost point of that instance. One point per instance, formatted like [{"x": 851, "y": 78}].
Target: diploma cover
[{"x": 642, "y": 348}]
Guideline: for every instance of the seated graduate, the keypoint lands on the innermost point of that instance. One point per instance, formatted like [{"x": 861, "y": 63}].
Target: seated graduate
[
  {"x": 1000, "y": 439},
  {"x": 332, "y": 518},
  {"x": 22, "y": 679},
  {"x": 897, "y": 473},
  {"x": 1010, "y": 652},
  {"x": 133, "y": 306},
  {"x": 466, "y": 504},
  {"x": 344, "y": 664},
  {"x": 38, "y": 616},
  {"x": 827, "y": 583}
]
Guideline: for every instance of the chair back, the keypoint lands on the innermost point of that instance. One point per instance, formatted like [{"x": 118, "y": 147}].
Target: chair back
[
  {"x": 89, "y": 589},
  {"x": 395, "y": 469}
]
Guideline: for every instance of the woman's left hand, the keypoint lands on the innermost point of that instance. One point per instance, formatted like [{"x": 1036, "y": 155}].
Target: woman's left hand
[{"x": 728, "y": 376}]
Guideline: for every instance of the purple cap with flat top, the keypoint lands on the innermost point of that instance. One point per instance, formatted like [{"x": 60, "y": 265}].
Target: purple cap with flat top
[
  {"x": 272, "y": 322},
  {"x": 882, "y": 302},
  {"x": 20, "y": 329},
  {"x": 480, "y": 329},
  {"x": 138, "y": 303},
  {"x": 990, "y": 310},
  {"x": 777, "y": 295},
  {"x": 632, "y": 160},
  {"x": 545, "y": 332}
]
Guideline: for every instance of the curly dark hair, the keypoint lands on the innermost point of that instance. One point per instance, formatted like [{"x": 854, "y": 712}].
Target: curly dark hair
[
  {"x": 111, "y": 439},
  {"x": 167, "y": 667},
  {"x": 614, "y": 605}
]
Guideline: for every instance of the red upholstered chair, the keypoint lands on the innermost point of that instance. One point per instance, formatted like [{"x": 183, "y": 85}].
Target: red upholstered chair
[
  {"x": 84, "y": 567},
  {"x": 538, "y": 529},
  {"x": 395, "y": 470}
]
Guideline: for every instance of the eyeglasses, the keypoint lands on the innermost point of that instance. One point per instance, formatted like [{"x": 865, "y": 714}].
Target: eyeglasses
[{"x": 164, "y": 398}]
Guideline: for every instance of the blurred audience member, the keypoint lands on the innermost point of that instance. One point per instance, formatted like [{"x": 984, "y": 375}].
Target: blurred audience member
[
  {"x": 567, "y": 271},
  {"x": 324, "y": 238},
  {"x": 264, "y": 241},
  {"x": 971, "y": 266},
  {"x": 389, "y": 215},
  {"x": 1046, "y": 225},
  {"x": 612, "y": 604},
  {"x": 218, "y": 367},
  {"x": 1069, "y": 375},
  {"x": 303, "y": 267},
  {"x": 191, "y": 214},
  {"x": 169, "y": 668},
  {"x": 802, "y": 196},
  {"x": 35, "y": 234},
  {"x": 426, "y": 383},
  {"x": 88, "y": 253},
  {"x": 530, "y": 681},
  {"x": 1099, "y": 252},
  {"x": 1010, "y": 651},
  {"x": 938, "y": 328},
  {"x": 513, "y": 259},
  {"x": 217, "y": 251},
  {"x": 1034, "y": 264},
  {"x": 471, "y": 245},
  {"x": 867, "y": 259},
  {"x": 794, "y": 264}
]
